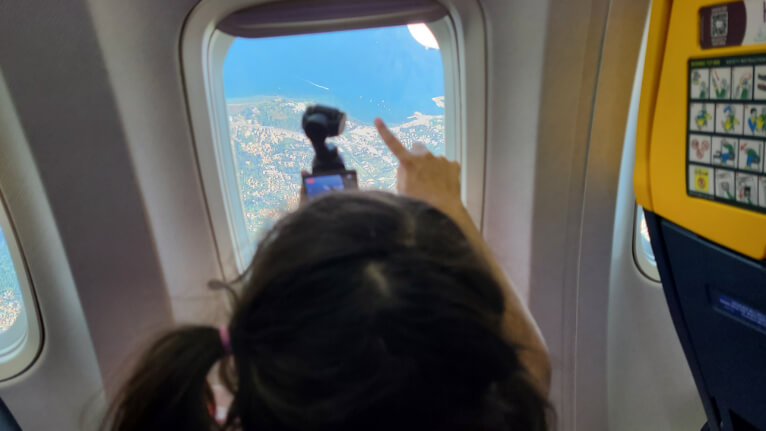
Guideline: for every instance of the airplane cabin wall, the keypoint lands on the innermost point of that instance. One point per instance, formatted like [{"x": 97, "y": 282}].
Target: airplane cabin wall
[
  {"x": 54, "y": 68},
  {"x": 650, "y": 384},
  {"x": 62, "y": 389},
  {"x": 140, "y": 43},
  {"x": 560, "y": 76},
  {"x": 542, "y": 75}
]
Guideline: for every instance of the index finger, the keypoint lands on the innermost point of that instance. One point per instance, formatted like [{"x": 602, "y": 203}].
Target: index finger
[{"x": 392, "y": 143}]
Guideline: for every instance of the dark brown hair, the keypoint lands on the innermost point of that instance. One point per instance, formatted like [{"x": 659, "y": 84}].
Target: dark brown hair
[{"x": 360, "y": 311}]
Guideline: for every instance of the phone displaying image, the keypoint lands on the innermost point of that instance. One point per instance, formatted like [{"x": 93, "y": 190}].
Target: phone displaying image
[{"x": 316, "y": 185}]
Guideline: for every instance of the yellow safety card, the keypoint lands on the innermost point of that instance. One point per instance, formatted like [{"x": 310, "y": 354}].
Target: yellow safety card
[{"x": 727, "y": 128}]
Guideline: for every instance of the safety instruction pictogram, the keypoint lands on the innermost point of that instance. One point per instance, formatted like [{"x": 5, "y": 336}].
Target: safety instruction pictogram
[
  {"x": 724, "y": 151},
  {"x": 726, "y": 132},
  {"x": 701, "y": 179}
]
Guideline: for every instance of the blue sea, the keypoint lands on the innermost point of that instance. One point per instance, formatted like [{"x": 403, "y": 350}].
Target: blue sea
[{"x": 367, "y": 73}]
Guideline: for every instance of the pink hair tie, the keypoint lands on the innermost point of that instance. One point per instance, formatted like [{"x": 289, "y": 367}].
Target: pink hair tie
[{"x": 223, "y": 332}]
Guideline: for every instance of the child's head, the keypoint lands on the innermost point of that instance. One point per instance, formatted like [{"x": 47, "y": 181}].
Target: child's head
[{"x": 359, "y": 311}]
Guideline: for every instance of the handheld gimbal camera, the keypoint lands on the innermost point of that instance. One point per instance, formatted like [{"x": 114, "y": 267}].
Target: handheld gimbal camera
[{"x": 328, "y": 170}]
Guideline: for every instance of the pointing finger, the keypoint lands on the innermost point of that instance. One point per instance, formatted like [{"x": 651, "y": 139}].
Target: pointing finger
[
  {"x": 419, "y": 149},
  {"x": 392, "y": 143}
]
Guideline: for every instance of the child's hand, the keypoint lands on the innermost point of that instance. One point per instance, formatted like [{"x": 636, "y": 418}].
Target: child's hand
[
  {"x": 436, "y": 180},
  {"x": 422, "y": 175}
]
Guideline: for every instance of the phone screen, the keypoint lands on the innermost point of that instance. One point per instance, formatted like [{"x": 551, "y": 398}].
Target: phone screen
[{"x": 338, "y": 181}]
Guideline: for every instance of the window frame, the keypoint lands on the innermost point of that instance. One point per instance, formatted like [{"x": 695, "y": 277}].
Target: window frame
[
  {"x": 25, "y": 343},
  {"x": 462, "y": 44},
  {"x": 646, "y": 266}
]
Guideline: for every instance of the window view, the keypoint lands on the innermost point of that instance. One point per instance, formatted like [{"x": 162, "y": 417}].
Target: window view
[
  {"x": 394, "y": 73},
  {"x": 11, "y": 305}
]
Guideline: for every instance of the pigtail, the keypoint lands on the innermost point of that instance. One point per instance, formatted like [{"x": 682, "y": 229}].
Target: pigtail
[{"x": 169, "y": 389}]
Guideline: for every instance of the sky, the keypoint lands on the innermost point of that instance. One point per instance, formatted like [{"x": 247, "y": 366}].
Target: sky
[{"x": 367, "y": 73}]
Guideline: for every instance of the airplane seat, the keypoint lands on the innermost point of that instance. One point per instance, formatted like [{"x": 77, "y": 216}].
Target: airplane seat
[
  {"x": 7, "y": 421},
  {"x": 700, "y": 176},
  {"x": 717, "y": 299}
]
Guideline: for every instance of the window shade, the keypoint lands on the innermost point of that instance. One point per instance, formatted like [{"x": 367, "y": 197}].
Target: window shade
[{"x": 312, "y": 16}]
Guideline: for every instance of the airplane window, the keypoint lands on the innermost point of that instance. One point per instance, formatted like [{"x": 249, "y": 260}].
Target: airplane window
[
  {"x": 11, "y": 302},
  {"x": 642, "y": 247},
  {"x": 646, "y": 244},
  {"x": 393, "y": 72}
]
